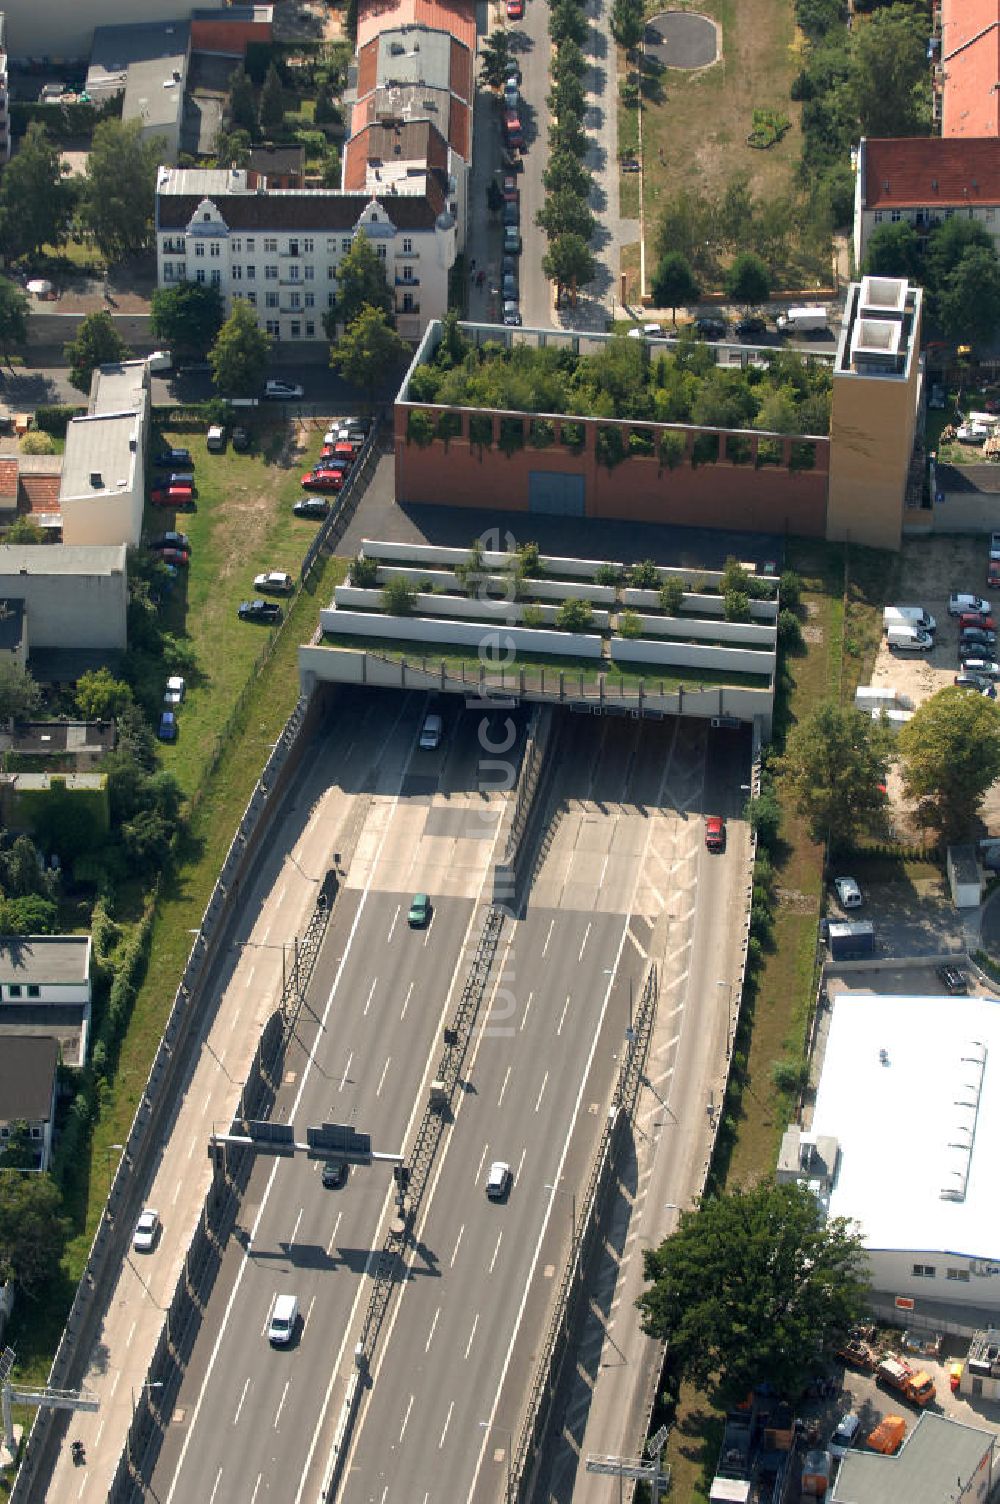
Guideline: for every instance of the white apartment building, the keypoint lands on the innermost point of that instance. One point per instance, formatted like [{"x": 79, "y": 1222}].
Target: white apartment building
[
  {"x": 102, "y": 490},
  {"x": 924, "y": 180},
  {"x": 279, "y": 249}
]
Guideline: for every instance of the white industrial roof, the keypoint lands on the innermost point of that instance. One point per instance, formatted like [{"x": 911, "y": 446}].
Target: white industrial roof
[{"x": 911, "y": 1089}]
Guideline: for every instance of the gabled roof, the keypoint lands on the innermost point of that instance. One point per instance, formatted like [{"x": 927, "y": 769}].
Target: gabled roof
[
  {"x": 456, "y": 16},
  {"x": 8, "y": 481},
  {"x": 294, "y": 209},
  {"x": 39, "y": 494},
  {"x": 928, "y": 172},
  {"x": 386, "y": 145},
  {"x": 970, "y": 63},
  {"x": 413, "y": 103}
]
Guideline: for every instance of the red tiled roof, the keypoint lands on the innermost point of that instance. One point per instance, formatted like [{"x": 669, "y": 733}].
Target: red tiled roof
[
  {"x": 921, "y": 172},
  {"x": 460, "y": 128},
  {"x": 39, "y": 493},
  {"x": 970, "y": 62},
  {"x": 456, "y": 16},
  {"x": 8, "y": 477},
  {"x": 367, "y": 67},
  {"x": 461, "y": 71},
  {"x": 416, "y": 140}
]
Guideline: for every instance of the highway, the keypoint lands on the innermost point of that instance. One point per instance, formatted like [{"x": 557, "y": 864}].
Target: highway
[
  {"x": 456, "y": 1362},
  {"x": 369, "y": 1033}
]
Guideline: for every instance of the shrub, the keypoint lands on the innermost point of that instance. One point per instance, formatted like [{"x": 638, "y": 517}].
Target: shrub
[
  {"x": 609, "y": 448},
  {"x": 764, "y": 815},
  {"x": 769, "y": 452},
  {"x": 55, "y": 420},
  {"x": 37, "y": 442},
  {"x": 789, "y": 630},
  {"x": 628, "y": 93},
  {"x": 671, "y": 450},
  {"x": 528, "y": 561},
  {"x": 705, "y": 449},
  {"x": 541, "y": 433},
  {"x": 420, "y": 428},
  {"x": 640, "y": 441},
  {"x": 363, "y": 572},
  {"x": 398, "y": 597},
  {"x": 607, "y": 574},
  {"x": 738, "y": 450},
  {"x": 734, "y": 577},
  {"x": 630, "y": 624},
  {"x": 672, "y": 595},
  {"x": 644, "y": 575},
  {"x": 511, "y": 435},
  {"x": 571, "y": 435},
  {"x": 790, "y": 589},
  {"x": 575, "y": 615},
  {"x": 803, "y": 455},
  {"x": 790, "y": 1076},
  {"x": 736, "y": 606},
  {"x": 533, "y": 616},
  {"x": 449, "y": 426},
  {"x": 481, "y": 431}
]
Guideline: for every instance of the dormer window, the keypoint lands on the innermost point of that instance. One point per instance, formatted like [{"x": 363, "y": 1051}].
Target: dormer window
[{"x": 207, "y": 217}]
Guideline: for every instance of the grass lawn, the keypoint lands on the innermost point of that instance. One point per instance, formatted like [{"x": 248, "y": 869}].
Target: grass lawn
[
  {"x": 470, "y": 664},
  {"x": 243, "y": 526},
  {"x": 834, "y": 662}
]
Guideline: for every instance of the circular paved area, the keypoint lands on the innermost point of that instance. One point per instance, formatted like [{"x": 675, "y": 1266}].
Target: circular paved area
[{"x": 680, "y": 39}]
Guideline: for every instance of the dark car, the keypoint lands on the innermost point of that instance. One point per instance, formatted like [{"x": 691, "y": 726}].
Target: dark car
[
  {"x": 172, "y": 458},
  {"x": 179, "y": 556},
  {"x": 311, "y": 506},
  {"x": 980, "y": 636},
  {"x": 711, "y": 328},
  {"x": 954, "y": 978},
  {"x": 511, "y": 314},
  {"x": 509, "y": 288},
  {"x": 334, "y": 1174},
  {"x": 511, "y": 161},
  {"x": 259, "y": 611},
  {"x": 511, "y": 72},
  {"x": 170, "y": 540},
  {"x": 167, "y": 729},
  {"x": 511, "y": 213},
  {"x": 977, "y": 682},
  {"x": 751, "y": 325},
  {"x": 241, "y": 440}
]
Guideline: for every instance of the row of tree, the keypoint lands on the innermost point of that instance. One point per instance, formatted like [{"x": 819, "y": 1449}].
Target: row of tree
[
  {"x": 112, "y": 203},
  {"x": 957, "y": 266},
  {"x": 566, "y": 218}
]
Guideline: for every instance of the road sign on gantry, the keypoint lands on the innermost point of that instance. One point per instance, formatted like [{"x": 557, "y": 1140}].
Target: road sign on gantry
[{"x": 339, "y": 1141}]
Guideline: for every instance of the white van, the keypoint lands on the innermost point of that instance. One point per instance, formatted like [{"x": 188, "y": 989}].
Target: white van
[
  {"x": 909, "y": 640},
  {"x": 908, "y": 616},
  {"x": 160, "y": 360},
  {"x": 284, "y": 1316}
]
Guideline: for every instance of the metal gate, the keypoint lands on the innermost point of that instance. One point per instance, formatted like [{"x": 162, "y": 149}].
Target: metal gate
[{"x": 559, "y": 495}]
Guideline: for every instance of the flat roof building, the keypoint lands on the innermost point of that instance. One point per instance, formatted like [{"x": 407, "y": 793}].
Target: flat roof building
[
  {"x": 102, "y": 491},
  {"x": 148, "y": 63},
  {"x": 941, "y": 1461}
]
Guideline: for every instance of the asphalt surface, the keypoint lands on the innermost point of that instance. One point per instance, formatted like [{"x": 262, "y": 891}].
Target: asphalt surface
[
  {"x": 248, "y": 1415},
  {"x": 530, "y": 46}
]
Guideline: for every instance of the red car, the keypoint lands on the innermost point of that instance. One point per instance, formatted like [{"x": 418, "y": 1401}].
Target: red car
[
  {"x": 976, "y": 619},
  {"x": 993, "y": 572},
  {"x": 515, "y": 10},
  {"x": 343, "y": 454},
  {"x": 323, "y": 480},
  {"x": 179, "y": 497},
  {"x": 175, "y": 556},
  {"x": 715, "y": 832},
  {"x": 509, "y": 188}
]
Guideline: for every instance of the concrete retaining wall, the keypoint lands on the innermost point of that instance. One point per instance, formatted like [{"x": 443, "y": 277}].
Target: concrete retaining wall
[
  {"x": 498, "y": 586},
  {"x": 487, "y": 639},
  {"x": 457, "y": 607},
  {"x": 684, "y": 629},
  {"x": 675, "y": 655},
  {"x": 696, "y": 604}
]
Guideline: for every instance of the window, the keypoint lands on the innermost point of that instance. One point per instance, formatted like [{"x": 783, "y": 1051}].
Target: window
[
  {"x": 310, "y": 273},
  {"x": 407, "y": 273},
  {"x": 896, "y": 215},
  {"x": 295, "y": 300},
  {"x": 215, "y": 249},
  {"x": 237, "y": 273},
  {"x": 331, "y": 298},
  {"x": 373, "y": 220},
  {"x": 270, "y": 243},
  {"x": 252, "y": 299},
  {"x": 270, "y": 274},
  {"x": 310, "y": 329},
  {"x": 345, "y": 244},
  {"x": 168, "y": 271},
  {"x": 36, "y": 1132},
  {"x": 296, "y": 329},
  {"x": 199, "y": 249},
  {"x": 960, "y": 1274},
  {"x": 924, "y": 1271},
  {"x": 293, "y": 273},
  {"x": 293, "y": 248},
  {"x": 251, "y": 273},
  {"x": 331, "y": 274},
  {"x": 331, "y": 244},
  {"x": 273, "y": 328},
  {"x": 216, "y": 277},
  {"x": 310, "y": 300},
  {"x": 878, "y": 216},
  {"x": 407, "y": 246},
  {"x": 34, "y": 990},
  {"x": 250, "y": 245},
  {"x": 307, "y": 246},
  {"x": 407, "y": 302},
  {"x": 4, "y": 1132},
  {"x": 14, "y": 990},
  {"x": 237, "y": 243},
  {"x": 380, "y": 252},
  {"x": 270, "y": 300},
  {"x": 207, "y": 217},
  {"x": 199, "y": 275}
]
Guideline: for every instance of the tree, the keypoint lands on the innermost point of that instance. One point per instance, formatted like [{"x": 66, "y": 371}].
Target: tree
[
  {"x": 32, "y": 1229},
  {"x": 893, "y": 251},
  {"x": 969, "y": 302},
  {"x": 947, "y": 246},
  {"x": 674, "y": 283},
  {"x": 19, "y": 1153},
  {"x": 187, "y": 317},
  {"x": 146, "y": 839},
  {"x": 567, "y": 97},
  {"x": 569, "y": 62},
  {"x": 398, "y": 597},
  {"x": 232, "y": 148},
  {"x": 566, "y": 172},
  {"x": 13, "y": 316},
  {"x": 272, "y": 100},
  {"x": 756, "y": 1284},
  {"x": 369, "y": 351},
  {"x": 494, "y": 57},
  {"x": 747, "y": 281},
  {"x": 567, "y": 134},
  {"x": 950, "y": 754},
  {"x": 672, "y": 595},
  {"x": 817, "y": 17},
  {"x": 36, "y": 196},
  {"x": 627, "y": 24},
  {"x": 100, "y": 696},
  {"x": 240, "y": 354},
  {"x": 575, "y": 615},
  {"x": 118, "y": 194},
  {"x": 330, "y": 171},
  {"x": 361, "y": 281},
  {"x": 565, "y": 213},
  {"x": 568, "y": 22},
  {"x": 568, "y": 262},
  {"x": 23, "y": 530},
  {"x": 20, "y": 696},
  {"x": 97, "y": 343},
  {"x": 888, "y": 83},
  {"x": 242, "y": 107},
  {"x": 835, "y": 765}
]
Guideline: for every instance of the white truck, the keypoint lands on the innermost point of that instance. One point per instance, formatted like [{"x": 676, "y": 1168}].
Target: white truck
[
  {"x": 807, "y": 320},
  {"x": 909, "y": 640},
  {"x": 908, "y": 616}
]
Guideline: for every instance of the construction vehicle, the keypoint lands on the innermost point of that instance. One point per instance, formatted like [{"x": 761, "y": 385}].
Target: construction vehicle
[
  {"x": 887, "y": 1436},
  {"x": 857, "y": 1353},
  {"x": 913, "y": 1383}
]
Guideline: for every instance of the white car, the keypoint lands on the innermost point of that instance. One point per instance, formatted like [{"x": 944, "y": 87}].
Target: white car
[
  {"x": 848, "y": 892},
  {"x": 174, "y": 693},
  {"x": 275, "y": 582},
  {"x": 958, "y": 603},
  {"x": 847, "y": 1428},
  {"x": 283, "y": 391},
  {"x": 498, "y": 1180},
  {"x": 985, "y": 668},
  {"x": 146, "y": 1230},
  {"x": 430, "y": 732}
]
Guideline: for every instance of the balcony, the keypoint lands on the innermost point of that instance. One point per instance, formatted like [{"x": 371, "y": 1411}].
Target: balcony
[{"x": 407, "y": 281}]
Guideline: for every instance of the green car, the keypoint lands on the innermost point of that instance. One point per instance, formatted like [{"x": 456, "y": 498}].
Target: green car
[{"x": 420, "y": 911}]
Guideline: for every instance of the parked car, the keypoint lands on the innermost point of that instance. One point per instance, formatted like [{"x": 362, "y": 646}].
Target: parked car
[
  {"x": 275, "y": 582},
  {"x": 512, "y": 129},
  {"x": 509, "y": 288},
  {"x": 511, "y": 71},
  {"x": 985, "y": 668},
  {"x": 843, "y": 1437},
  {"x": 959, "y": 603},
  {"x": 181, "y": 498},
  {"x": 993, "y": 572},
  {"x": 172, "y": 459},
  {"x": 323, "y": 478},
  {"x": 169, "y": 540},
  {"x": 936, "y": 398},
  {"x": 752, "y": 324},
  {"x": 715, "y": 832},
  {"x": 954, "y": 979},
  {"x": 241, "y": 440},
  {"x": 146, "y": 1230},
  {"x": 511, "y": 160},
  {"x": 181, "y": 478},
  {"x": 511, "y": 95},
  {"x": 515, "y": 10},
  {"x": 511, "y": 313},
  {"x": 283, "y": 391},
  {"x": 511, "y": 213},
  {"x": 711, "y": 328},
  {"x": 215, "y": 439},
  {"x": 174, "y": 692},
  {"x": 848, "y": 892},
  {"x": 268, "y": 611},
  {"x": 420, "y": 912},
  {"x": 982, "y": 686},
  {"x": 512, "y": 241},
  {"x": 980, "y": 635},
  {"x": 976, "y": 619},
  {"x": 167, "y": 729},
  {"x": 311, "y": 506},
  {"x": 508, "y": 187},
  {"x": 967, "y": 650},
  {"x": 178, "y": 556}
]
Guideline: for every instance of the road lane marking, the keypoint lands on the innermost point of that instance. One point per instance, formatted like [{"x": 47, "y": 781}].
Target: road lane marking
[
  {"x": 402, "y": 1431},
  {"x": 131, "y": 1334},
  {"x": 343, "y": 1079},
  {"x": 370, "y": 996},
  {"x": 496, "y": 1251},
  {"x": 586, "y": 936},
  {"x": 545, "y": 1080},
  {"x": 281, "y": 1403},
  {"x": 482, "y": 1161},
  {"x": 430, "y": 1334},
  {"x": 215, "y": 1490},
  {"x": 548, "y": 937},
  {"x": 251, "y": 972},
  {"x": 520, "y": 1166},
  {"x": 114, "y": 1383},
  {"x": 177, "y": 1191},
  {"x": 430, "y": 926},
  {"x": 333, "y": 1236},
  {"x": 562, "y": 1016},
  {"x": 395, "y": 916},
  {"x": 468, "y": 1345},
  {"x": 381, "y": 1079},
  {"x": 295, "y": 1229},
  {"x": 527, "y": 1005},
  {"x": 253, "y": 1496},
  {"x": 239, "y": 1407},
  {"x": 447, "y": 1423},
  {"x": 406, "y": 1003},
  {"x": 457, "y": 1241},
  {"x": 504, "y": 1086}
]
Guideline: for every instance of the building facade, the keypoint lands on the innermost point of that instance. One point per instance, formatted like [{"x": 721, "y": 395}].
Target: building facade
[
  {"x": 279, "y": 250},
  {"x": 102, "y": 490},
  {"x": 28, "y": 1065},
  {"x": 57, "y": 31},
  {"x": 922, "y": 181},
  {"x": 45, "y": 991},
  {"x": 75, "y": 597}
]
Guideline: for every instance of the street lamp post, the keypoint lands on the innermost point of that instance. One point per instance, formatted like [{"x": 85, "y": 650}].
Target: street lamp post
[{"x": 488, "y": 1426}]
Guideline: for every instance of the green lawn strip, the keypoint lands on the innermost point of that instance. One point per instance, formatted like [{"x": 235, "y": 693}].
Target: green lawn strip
[
  {"x": 243, "y": 526},
  {"x": 36, "y": 1326},
  {"x": 459, "y": 664}
]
